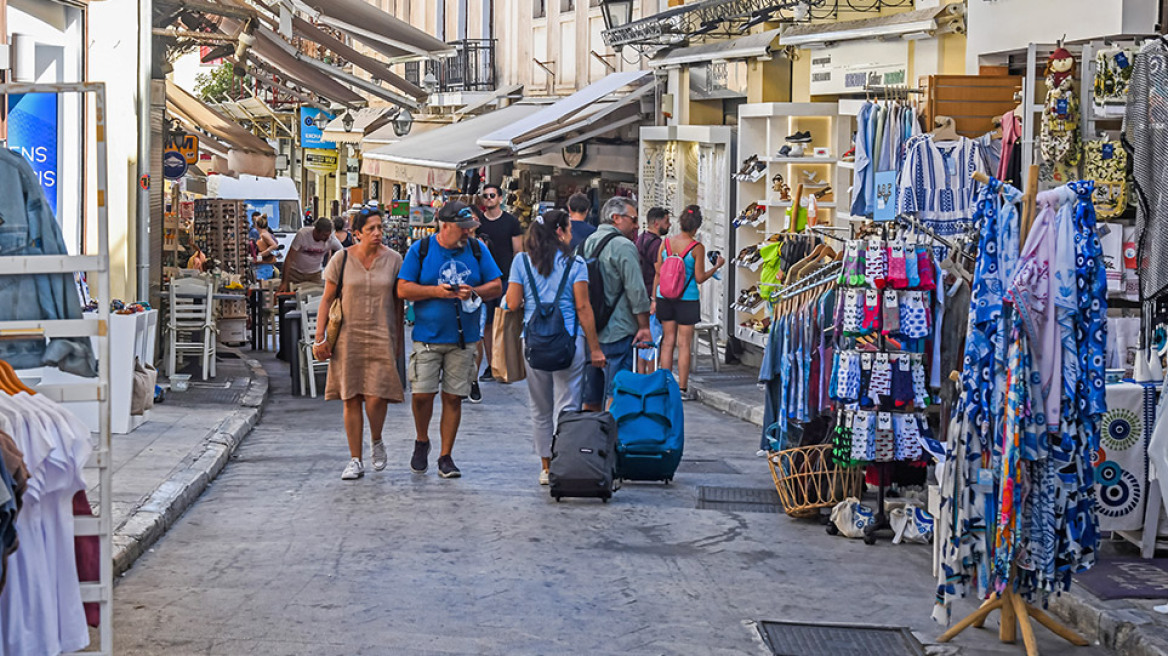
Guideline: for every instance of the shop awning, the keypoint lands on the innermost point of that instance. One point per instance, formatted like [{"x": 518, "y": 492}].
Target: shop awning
[
  {"x": 378, "y": 70},
  {"x": 365, "y": 120},
  {"x": 375, "y": 28},
  {"x": 434, "y": 158},
  {"x": 746, "y": 47},
  {"x": 921, "y": 21},
  {"x": 581, "y": 109},
  {"x": 382, "y": 136},
  {"x": 248, "y": 154}
]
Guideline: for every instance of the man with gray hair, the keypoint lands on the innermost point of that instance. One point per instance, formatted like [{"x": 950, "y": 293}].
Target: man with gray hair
[{"x": 624, "y": 319}]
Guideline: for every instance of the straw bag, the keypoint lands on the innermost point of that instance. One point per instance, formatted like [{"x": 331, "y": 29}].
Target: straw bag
[{"x": 335, "y": 317}]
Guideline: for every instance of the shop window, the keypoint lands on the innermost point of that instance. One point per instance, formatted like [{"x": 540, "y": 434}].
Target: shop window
[
  {"x": 540, "y": 9},
  {"x": 567, "y": 5},
  {"x": 594, "y": 3}
]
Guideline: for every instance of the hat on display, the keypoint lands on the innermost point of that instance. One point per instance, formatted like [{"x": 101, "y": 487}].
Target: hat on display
[{"x": 459, "y": 214}]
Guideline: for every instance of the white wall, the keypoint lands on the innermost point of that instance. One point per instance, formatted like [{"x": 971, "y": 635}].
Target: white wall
[{"x": 1004, "y": 25}]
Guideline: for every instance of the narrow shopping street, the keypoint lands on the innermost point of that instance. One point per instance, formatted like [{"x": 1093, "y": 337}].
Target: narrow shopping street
[{"x": 280, "y": 556}]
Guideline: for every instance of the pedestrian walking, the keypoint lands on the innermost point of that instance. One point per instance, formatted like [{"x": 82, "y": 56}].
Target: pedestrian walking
[
  {"x": 624, "y": 294},
  {"x": 363, "y": 367},
  {"x": 548, "y": 275},
  {"x": 306, "y": 256},
  {"x": 681, "y": 267},
  {"x": 578, "y": 208},
  {"x": 447, "y": 276},
  {"x": 342, "y": 233},
  {"x": 504, "y": 233},
  {"x": 265, "y": 249},
  {"x": 648, "y": 246}
]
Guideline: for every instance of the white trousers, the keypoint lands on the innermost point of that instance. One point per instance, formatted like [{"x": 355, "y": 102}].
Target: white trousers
[{"x": 551, "y": 393}]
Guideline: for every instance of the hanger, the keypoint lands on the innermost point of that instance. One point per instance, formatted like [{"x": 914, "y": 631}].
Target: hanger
[
  {"x": 946, "y": 129},
  {"x": 996, "y": 133},
  {"x": 10, "y": 383}
]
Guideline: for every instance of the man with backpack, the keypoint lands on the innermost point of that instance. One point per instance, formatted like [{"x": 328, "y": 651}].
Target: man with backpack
[
  {"x": 620, "y": 302},
  {"x": 648, "y": 247},
  {"x": 448, "y": 276}
]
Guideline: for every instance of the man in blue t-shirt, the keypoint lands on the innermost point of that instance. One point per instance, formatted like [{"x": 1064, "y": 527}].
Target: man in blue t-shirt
[{"x": 447, "y": 276}]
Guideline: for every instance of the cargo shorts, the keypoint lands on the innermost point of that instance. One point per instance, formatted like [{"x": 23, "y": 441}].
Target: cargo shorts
[{"x": 442, "y": 365}]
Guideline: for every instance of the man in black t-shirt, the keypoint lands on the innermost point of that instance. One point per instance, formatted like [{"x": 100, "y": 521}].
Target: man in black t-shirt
[{"x": 504, "y": 233}]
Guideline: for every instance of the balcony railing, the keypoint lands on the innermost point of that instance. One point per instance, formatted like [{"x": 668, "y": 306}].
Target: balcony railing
[{"x": 472, "y": 68}]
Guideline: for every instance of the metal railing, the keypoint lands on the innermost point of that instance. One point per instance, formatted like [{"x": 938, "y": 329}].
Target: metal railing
[{"x": 472, "y": 68}]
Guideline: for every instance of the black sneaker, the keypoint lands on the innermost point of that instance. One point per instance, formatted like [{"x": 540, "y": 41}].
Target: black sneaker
[
  {"x": 421, "y": 460},
  {"x": 487, "y": 377},
  {"x": 447, "y": 469},
  {"x": 476, "y": 394}
]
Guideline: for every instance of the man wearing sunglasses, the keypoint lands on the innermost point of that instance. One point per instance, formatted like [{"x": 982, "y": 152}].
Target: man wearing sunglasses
[
  {"x": 504, "y": 235},
  {"x": 447, "y": 276}
]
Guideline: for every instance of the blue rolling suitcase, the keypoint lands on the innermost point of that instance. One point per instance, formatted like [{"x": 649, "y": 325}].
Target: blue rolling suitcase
[{"x": 650, "y": 425}]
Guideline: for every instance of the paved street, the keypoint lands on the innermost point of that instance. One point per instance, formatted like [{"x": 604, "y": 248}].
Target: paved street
[{"x": 282, "y": 557}]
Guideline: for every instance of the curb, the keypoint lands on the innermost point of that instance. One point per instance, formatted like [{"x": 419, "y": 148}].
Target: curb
[
  {"x": 1129, "y": 631},
  {"x": 159, "y": 511}
]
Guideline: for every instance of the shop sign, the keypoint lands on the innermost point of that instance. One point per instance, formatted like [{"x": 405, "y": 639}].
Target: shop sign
[
  {"x": 310, "y": 135},
  {"x": 399, "y": 208},
  {"x": 187, "y": 144},
  {"x": 174, "y": 165},
  {"x": 716, "y": 80},
  {"x": 32, "y": 132},
  {"x": 320, "y": 160},
  {"x": 854, "y": 66},
  {"x": 352, "y": 172},
  {"x": 574, "y": 155}
]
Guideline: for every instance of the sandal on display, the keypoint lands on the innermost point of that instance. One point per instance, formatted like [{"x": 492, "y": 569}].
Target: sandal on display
[{"x": 822, "y": 192}]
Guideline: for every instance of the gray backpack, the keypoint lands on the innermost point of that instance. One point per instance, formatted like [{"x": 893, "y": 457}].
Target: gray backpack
[{"x": 583, "y": 456}]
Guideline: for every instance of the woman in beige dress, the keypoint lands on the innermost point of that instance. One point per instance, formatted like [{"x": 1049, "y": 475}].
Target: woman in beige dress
[{"x": 363, "y": 369}]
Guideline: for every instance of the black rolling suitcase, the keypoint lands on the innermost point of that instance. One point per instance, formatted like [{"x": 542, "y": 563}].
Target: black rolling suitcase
[{"x": 583, "y": 456}]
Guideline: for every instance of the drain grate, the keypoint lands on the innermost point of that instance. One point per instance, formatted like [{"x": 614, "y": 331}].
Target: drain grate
[
  {"x": 804, "y": 639},
  {"x": 212, "y": 393},
  {"x": 706, "y": 466},
  {"x": 738, "y": 499}
]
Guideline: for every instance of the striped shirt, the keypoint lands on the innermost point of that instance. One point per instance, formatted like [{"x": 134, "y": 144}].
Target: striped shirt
[{"x": 936, "y": 184}]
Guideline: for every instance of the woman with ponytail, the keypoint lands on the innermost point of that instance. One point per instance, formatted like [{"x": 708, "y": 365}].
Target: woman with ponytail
[{"x": 547, "y": 257}]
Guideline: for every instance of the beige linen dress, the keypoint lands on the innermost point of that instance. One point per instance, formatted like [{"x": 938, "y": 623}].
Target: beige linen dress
[{"x": 365, "y": 359}]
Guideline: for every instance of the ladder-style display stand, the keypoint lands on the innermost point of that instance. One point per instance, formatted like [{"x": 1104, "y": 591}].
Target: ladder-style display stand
[
  {"x": 96, "y": 265},
  {"x": 1015, "y": 613}
]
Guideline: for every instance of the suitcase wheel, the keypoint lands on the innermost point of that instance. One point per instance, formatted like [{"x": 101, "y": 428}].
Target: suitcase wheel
[{"x": 604, "y": 499}]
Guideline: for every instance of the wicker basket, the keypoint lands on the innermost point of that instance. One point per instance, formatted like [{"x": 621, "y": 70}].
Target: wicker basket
[{"x": 807, "y": 481}]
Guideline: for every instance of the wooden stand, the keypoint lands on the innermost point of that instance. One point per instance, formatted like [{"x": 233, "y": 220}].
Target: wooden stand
[{"x": 1015, "y": 612}]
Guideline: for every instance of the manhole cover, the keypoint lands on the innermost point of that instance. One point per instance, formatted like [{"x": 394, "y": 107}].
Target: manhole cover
[
  {"x": 738, "y": 499},
  {"x": 706, "y": 466},
  {"x": 801, "y": 639}
]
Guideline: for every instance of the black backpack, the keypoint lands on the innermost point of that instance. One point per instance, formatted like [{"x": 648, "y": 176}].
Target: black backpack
[
  {"x": 476, "y": 249},
  {"x": 548, "y": 345},
  {"x": 601, "y": 308}
]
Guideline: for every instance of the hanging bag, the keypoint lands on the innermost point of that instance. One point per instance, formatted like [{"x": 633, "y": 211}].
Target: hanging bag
[
  {"x": 549, "y": 347},
  {"x": 674, "y": 279},
  {"x": 508, "y": 365},
  {"x": 335, "y": 317}
]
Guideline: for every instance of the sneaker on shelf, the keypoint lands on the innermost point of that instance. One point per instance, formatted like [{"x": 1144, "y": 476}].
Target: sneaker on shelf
[
  {"x": 849, "y": 156},
  {"x": 476, "y": 394},
  {"x": 487, "y": 377},
  {"x": 799, "y": 137},
  {"x": 380, "y": 460},
  {"x": 447, "y": 468},
  {"x": 420, "y": 462},
  {"x": 796, "y": 150},
  {"x": 353, "y": 470},
  {"x": 543, "y": 477},
  {"x": 785, "y": 151}
]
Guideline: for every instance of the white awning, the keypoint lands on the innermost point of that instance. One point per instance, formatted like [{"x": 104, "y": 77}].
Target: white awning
[
  {"x": 375, "y": 28},
  {"x": 434, "y": 158},
  {"x": 564, "y": 113},
  {"x": 747, "y": 47},
  {"x": 921, "y": 21},
  {"x": 365, "y": 120}
]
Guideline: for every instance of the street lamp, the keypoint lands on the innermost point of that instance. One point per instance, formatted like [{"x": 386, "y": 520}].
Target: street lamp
[
  {"x": 430, "y": 83},
  {"x": 321, "y": 121},
  {"x": 616, "y": 12},
  {"x": 347, "y": 121}
]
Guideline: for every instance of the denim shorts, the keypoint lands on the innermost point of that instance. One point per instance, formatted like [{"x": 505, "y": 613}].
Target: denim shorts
[{"x": 597, "y": 383}]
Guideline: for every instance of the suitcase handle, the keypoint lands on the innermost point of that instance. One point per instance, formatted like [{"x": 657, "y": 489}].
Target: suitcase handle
[{"x": 644, "y": 456}]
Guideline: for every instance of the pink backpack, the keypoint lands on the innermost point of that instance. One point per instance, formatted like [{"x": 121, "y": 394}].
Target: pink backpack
[{"x": 673, "y": 277}]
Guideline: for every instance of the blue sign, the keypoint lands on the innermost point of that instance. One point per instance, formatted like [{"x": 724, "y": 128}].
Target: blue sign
[
  {"x": 174, "y": 164},
  {"x": 885, "y": 196},
  {"x": 32, "y": 132},
  {"x": 310, "y": 135}
]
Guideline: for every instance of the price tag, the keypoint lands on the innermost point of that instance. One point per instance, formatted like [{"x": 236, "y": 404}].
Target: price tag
[
  {"x": 891, "y": 299},
  {"x": 903, "y": 362},
  {"x": 882, "y": 359},
  {"x": 872, "y": 298},
  {"x": 852, "y": 298},
  {"x": 898, "y": 248},
  {"x": 884, "y": 421},
  {"x": 866, "y": 362}
]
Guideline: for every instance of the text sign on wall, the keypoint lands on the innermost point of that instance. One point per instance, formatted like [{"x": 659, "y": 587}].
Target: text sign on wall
[
  {"x": 851, "y": 67},
  {"x": 310, "y": 135},
  {"x": 32, "y": 132}
]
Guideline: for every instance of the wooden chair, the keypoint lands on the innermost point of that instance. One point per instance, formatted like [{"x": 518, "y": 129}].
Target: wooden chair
[{"x": 191, "y": 323}]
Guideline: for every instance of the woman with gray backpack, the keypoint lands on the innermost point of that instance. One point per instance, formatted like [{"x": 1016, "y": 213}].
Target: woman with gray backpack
[{"x": 559, "y": 330}]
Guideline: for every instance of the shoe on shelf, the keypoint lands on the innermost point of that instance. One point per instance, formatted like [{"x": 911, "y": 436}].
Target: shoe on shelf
[
  {"x": 353, "y": 470},
  {"x": 447, "y": 468},
  {"x": 379, "y": 458},
  {"x": 849, "y": 156},
  {"x": 420, "y": 462},
  {"x": 487, "y": 377},
  {"x": 785, "y": 151},
  {"x": 799, "y": 137},
  {"x": 822, "y": 192},
  {"x": 476, "y": 394},
  {"x": 812, "y": 179},
  {"x": 796, "y": 150},
  {"x": 543, "y": 477}
]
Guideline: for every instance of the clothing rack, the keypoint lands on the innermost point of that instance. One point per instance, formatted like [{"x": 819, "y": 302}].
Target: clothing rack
[
  {"x": 97, "y": 265},
  {"x": 911, "y": 222},
  {"x": 817, "y": 278}
]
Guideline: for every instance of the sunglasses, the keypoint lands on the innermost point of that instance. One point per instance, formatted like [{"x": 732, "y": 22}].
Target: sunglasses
[{"x": 490, "y": 195}]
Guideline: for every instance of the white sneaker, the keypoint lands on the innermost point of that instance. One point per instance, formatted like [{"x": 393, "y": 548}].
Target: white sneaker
[
  {"x": 353, "y": 470},
  {"x": 543, "y": 477},
  {"x": 379, "y": 457}
]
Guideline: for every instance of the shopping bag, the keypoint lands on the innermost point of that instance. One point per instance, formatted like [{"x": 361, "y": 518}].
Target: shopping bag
[
  {"x": 142, "y": 392},
  {"x": 507, "y": 362}
]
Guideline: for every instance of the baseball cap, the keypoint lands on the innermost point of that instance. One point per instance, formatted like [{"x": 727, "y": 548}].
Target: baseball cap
[{"x": 459, "y": 214}]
